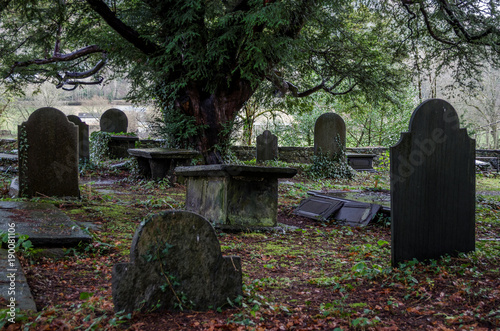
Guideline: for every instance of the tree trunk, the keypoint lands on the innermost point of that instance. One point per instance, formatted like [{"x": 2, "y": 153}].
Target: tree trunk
[{"x": 214, "y": 113}]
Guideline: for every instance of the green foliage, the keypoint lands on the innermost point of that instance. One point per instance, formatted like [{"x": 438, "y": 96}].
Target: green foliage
[
  {"x": 99, "y": 146},
  {"x": 324, "y": 166},
  {"x": 23, "y": 244}
]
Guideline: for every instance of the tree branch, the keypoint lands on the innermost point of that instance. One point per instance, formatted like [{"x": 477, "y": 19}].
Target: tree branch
[
  {"x": 458, "y": 27},
  {"x": 430, "y": 29},
  {"x": 59, "y": 58},
  {"x": 122, "y": 29}
]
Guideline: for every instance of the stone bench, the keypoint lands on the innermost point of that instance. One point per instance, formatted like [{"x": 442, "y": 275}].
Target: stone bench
[
  {"x": 158, "y": 163},
  {"x": 234, "y": 197},
  {"x": 361, "y": 162}
]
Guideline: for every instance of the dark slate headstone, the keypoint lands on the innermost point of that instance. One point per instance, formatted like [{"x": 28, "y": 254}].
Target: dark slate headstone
[
  {"x": 83, "y": 137},
  {"x": 432, "y": 186},
  {"x": 175, "y": 259},
  {"x": 329, "y": 135},
  {"x": 48, "y": 155},
  {"x": 267, "y": 146},
  {"x": 114, "y": 120}
]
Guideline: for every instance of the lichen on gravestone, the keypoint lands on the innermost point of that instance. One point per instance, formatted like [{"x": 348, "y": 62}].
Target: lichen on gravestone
[{"x": 176, "y": 263}]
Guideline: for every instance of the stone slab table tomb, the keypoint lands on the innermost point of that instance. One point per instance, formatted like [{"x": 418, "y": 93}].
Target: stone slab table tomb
[
  {"x": 234, "y": 197},
  {"x": 361, "y": 162},
  {"x": 158, "y": 163}
]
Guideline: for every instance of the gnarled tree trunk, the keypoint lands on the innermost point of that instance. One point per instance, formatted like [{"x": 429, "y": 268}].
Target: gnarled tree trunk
[{"x": 214, "y": 113}]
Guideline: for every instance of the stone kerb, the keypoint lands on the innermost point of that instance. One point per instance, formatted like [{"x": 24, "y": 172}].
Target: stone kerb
[
  {"x": 113, "y": 120},
  {"x": 176, "y": 261},
  {"x": 329, "y": 135},
  {"x": 48, "y": 155},
  {"x": 432, "y": 186},
  {"x": 83, "y": 137},
  {"x": 267, "y": 147}
]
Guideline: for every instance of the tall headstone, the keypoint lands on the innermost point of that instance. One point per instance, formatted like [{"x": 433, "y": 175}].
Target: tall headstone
[
  {"x": 48, "y": 155},
  {"x": 329, "y": 135},
  {"x": 114, "y": 120},
  {"x": 176, "y": 262},
  {"x": 267, "y": 146},
  {"x": 432, "y": 186},
  {"x": 83, "y": 137}
]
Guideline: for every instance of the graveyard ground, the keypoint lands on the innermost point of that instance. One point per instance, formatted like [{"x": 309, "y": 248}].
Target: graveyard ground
[{"x": 318, "y": 276}]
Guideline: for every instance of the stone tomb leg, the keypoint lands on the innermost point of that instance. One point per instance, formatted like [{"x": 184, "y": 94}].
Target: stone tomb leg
[
  {"x": 432, "y": 186},
  {"x": 234, "y": 197}
]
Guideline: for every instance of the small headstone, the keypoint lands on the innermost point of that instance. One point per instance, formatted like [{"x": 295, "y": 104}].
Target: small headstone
[
  {"x": 432, "y": 186},
  {"x": 176, "y": 261},
  {"x": 48, "y": 155},
  {"x": 83, "y": 137},
  {"x": 329, "y": 135},
  {"x": 114, "y": 120},
  {"x": 267, "y": 146}
]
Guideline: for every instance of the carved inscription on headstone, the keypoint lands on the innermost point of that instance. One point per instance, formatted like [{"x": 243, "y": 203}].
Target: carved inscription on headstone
[{"x": 432, "y": 186}]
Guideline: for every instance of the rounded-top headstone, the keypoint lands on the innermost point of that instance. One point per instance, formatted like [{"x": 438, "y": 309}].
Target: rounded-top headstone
[
  {"x": 48, "y": 154},
  {"x": 329, "y": 134},
  {"x": 114, "y": 120},
  {"x": 174, "y": 253},
  {"x": 83, "y": 137},
  {"x": 75, "y": 119}
]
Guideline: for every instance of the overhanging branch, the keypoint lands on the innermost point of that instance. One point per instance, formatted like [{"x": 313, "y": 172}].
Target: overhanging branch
[{"x": 122, "y": 29}]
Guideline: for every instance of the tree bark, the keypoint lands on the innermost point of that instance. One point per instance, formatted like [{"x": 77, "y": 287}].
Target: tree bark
[{"x": 214, "y": 114}]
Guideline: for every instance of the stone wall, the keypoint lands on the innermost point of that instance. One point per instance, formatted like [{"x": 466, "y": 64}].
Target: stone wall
[{"x": 304, "y": 154}]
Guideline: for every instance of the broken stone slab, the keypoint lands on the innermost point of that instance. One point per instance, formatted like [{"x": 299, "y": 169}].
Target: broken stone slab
[
  {"x": 320, "y": 206},
  {"x": 43, "y": 223},
  {"x": 234, "y": 197},
  {"x": 176, "y": 262},
  {"x": 13, "y": 285}
]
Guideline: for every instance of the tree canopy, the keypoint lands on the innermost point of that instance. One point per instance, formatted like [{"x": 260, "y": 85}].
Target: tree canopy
[{"x": 200, "y": 61}]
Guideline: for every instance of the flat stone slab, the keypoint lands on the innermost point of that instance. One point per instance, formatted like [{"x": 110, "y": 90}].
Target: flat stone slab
[
  {"x": 230, "y": 170},
  {"x": 11, "y": 273},
  {"x": 323, "y": 206},
  {"x": 361, "y": 162},
  {"x": 43, "y": 223},
  {"x": 163, "y": 153}
]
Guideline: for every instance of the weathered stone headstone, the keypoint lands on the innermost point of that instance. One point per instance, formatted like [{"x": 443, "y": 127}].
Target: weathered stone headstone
[
  {"x": 114, "y": 120},
  {"x": 175, "y": 260},
  {"x": 48, "y": 155},
  {"x": 267, "y": 146},
  {"x": 83, "y": 137},
  {"x": 432, "y": 186},
  {"x": 329, "y": 135}
]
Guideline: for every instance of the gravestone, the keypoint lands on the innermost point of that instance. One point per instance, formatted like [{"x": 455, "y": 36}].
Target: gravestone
[
  {"x": 175, "y": 259},
  {"x": 48, "y": 155},
  {"x": 267, "y": 146},
  {"x": 114, "y": 120},
  {"x": 329, "y": 135},
  {"x": 83, "y": 137},
  {"x": 432, "y": 186}
]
